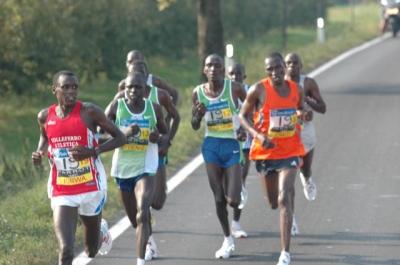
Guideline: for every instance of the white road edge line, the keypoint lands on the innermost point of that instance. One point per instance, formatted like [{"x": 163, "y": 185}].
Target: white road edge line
[{"x": 182, "y": 174}]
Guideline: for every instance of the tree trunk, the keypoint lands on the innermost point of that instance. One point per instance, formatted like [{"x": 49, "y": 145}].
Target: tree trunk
[
  {"x": 209, "y": 31},
  {"x": 284, "y": 23}
]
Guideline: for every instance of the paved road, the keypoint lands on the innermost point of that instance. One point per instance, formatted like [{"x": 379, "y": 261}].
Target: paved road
[{"x": 355, "y": 218}]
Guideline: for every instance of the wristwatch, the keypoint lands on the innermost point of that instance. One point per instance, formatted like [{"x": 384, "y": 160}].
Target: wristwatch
[
  {"x": 170, "y": 142},
  {"x": 97, "y": 151}
]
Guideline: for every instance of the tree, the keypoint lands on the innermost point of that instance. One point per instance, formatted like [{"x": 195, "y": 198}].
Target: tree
[
  {"x": 209, "y": 31},
  {"x": 284, "y": 23}
]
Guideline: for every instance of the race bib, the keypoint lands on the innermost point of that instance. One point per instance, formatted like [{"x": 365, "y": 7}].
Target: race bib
[
  {"x": 140, "y": 141},
  {"x": 71, "y": 172},
  {"x": 282, "y": 123},
  {"x": 219, "y": 117}
]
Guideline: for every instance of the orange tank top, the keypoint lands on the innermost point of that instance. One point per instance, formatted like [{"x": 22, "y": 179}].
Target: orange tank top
[{"x": 278, "y": 119}]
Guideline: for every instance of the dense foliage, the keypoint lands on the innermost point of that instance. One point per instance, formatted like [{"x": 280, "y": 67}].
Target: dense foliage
[{"x": 91, "y": 38}]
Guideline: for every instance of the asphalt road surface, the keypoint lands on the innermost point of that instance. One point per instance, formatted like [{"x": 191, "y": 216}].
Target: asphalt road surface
[{"x": 355, "y": 218}]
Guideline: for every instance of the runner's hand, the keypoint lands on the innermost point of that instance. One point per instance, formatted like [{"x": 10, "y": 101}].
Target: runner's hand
[
  {"x": 80, "y": 152},
  {"x": 241, "y": 134},
  {"x": 308, "y": 114},
  {"x": 154, "y": 136},
  {"x": 132, "y": 130},
  {"x": 265, "y": 141},
  {"x": 37, "y": 157},
  {"x": 200, "y": 110}
]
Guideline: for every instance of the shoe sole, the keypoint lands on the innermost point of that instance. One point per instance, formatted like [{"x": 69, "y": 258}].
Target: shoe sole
[
  {"x": 223, "y": 257},
  {"x": 154, "y": 256}
]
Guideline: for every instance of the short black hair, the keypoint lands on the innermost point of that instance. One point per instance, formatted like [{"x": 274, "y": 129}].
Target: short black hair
[
  {"x": 139, "y": 63},
  {"x": 135, "y": 53},
  {"x": 57, "y": 76},
  {"x": 136, "y": 73},
  {"x": 272, "y": 55},
  {"x": 239, "y": 65}
]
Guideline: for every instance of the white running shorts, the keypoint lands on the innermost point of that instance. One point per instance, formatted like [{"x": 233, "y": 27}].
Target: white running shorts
[
  {"x": 88, "y": 204},
  {"x": 308, "y": 136}
]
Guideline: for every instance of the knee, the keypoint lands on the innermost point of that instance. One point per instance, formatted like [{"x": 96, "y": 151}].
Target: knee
[
  {"x": 158, "y": 202},
  {"x": 143, "y": 216},
  {"x": 274, "y": 205},
  {"x": 220, "y": 200},
  {"x": 306, "y": 171},
  {"x": 234, "y": 204},
  {"x": 285, "y": 196},
  {"x": 67, "y": 253}
]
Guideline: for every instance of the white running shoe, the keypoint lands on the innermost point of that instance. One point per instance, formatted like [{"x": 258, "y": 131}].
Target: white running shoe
[
  {"x": 243, "y": 198},
  {"x": 107, "y": 239},
  {"x": 151, "y": 251},
  {"x": 225, "y": 251},
  {"x": 284, "y": 259},
  {"x": 310, "y": 190},
  {"x": 237, "y": 232},
  {"x": 295, "y": 229}
]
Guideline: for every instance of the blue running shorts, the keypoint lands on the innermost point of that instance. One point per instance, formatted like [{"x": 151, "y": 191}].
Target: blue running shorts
[
  {"x": 224, "y": 152},
  {"x": 130, "y": 183}
]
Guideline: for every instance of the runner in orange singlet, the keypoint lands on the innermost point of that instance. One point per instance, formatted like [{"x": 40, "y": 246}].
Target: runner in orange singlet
[{"x": 276, "y": 147}]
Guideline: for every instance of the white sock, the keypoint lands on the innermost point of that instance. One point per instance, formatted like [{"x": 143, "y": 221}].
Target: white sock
[
  {"x": 229, "y": 239},
  {"x": 235, "y": 224},
  {"x": 151, "y": 239},
  {"x": 140, "y": 261}
]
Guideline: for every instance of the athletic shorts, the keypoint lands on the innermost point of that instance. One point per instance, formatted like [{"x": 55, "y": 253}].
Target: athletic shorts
[
  {"x": 247, "y": 144},
  {"x": 308, "y": 136},
  {"x": 224, "y": 152},
  {"x": 130, "y": 183},
  {"x": 162, "y": 161},
  {"x": 88, "y": 204},
  {"x": 268, "y": 167}
]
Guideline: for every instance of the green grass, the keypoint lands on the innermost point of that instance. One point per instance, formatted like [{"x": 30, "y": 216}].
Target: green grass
[{"x": 25, "y": 214}]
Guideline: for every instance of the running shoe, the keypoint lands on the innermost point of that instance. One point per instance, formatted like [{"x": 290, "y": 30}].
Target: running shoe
[
  {"x": 243, "y": 198},
  {"x": 310, "y": 190},
  {"x": 284, "y": 259},
  {"x": 225, "y": 251},
  {"x": 295, "y": 229},
  {"x": 106, "y": 245},
  {"x": 151, "y": 251},
  {"x": 237, "y": 232}
]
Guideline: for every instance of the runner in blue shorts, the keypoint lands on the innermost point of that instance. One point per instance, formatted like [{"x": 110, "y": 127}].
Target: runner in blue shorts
[
  {"x": 217, "y": 102},
  {"x": 135, "y": 164},
  {"x": 162, "y": 98}
]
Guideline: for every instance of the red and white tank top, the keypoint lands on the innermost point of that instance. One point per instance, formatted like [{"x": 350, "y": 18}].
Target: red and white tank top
[{"x": 67, "y": 176}]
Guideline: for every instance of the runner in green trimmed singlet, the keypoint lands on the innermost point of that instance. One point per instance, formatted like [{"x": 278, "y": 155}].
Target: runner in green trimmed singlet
[
  {"x": 217, "y": 101},
  {"x": 221, "y": 117},
  {"x": 161, "y": 97},
  {"x": 135, "y": 164},
  {"x": 128, "y": 164}
]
